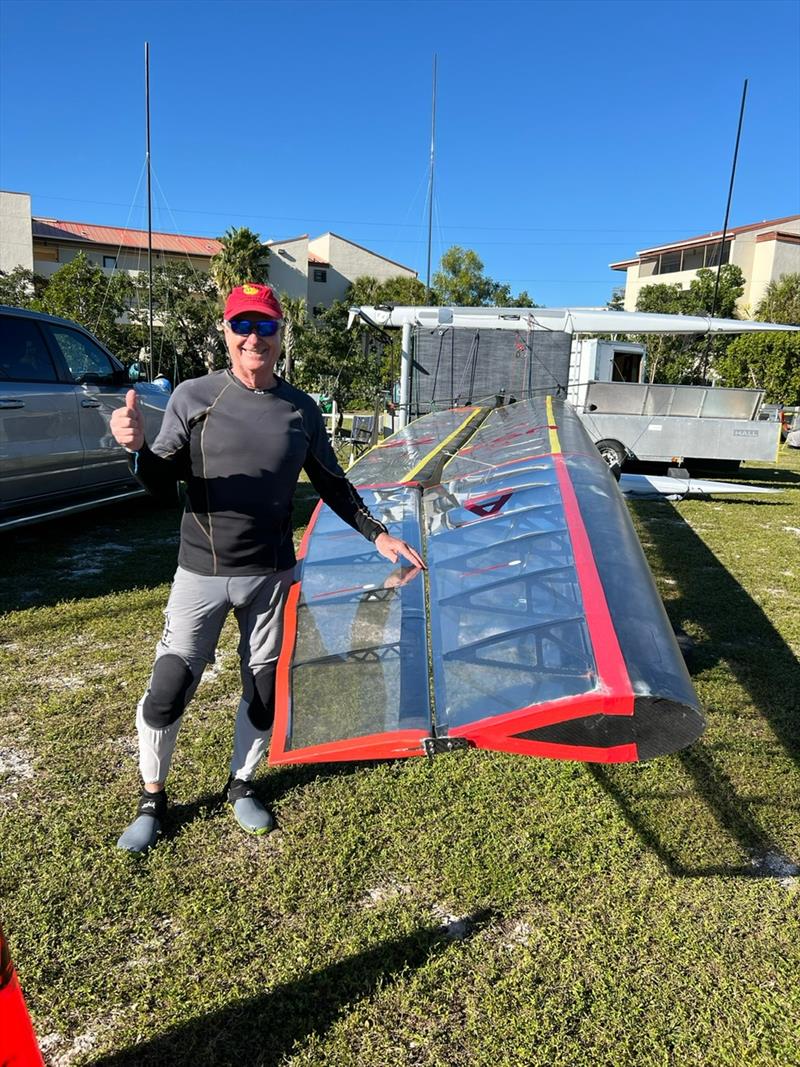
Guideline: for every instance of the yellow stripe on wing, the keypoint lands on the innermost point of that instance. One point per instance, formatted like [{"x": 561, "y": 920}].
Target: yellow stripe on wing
[
  {"x": 408, "y": 476},
  {"x": 555, "y": 444}
]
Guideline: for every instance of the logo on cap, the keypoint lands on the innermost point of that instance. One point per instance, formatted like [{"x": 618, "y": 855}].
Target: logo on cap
[{"x": 250, "y": 290}]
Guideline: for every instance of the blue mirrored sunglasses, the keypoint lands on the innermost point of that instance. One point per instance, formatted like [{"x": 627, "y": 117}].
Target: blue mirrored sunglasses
[{"x": 261, "y": 327}]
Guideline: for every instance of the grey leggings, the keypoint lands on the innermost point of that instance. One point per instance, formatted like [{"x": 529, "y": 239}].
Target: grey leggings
[{"x": 196, "y": 611}]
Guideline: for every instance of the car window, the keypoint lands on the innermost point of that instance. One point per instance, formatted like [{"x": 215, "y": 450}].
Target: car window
[
  {"x": 23, "y": 356},
  {"x": 82, "y": 356}
]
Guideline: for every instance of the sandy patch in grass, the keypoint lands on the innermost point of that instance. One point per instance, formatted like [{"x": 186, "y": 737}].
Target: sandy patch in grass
[
  {"x": 60, "y": 1050},
  {"x": 774, "y": 865},
  {"x": 15, "y": 763},
  {"x": 456, "y": 927},
  {"x": 16, "y": 766},
  {"x": 128, "y": 746},
  {"x": 66, "y": 681},
  {"x": 382, "y": 893},
  {"x": 91, "y": 557},
  {"x": 90, "y": 560},
  {"x": 518, "y": 933},
  {"x": 57, "y": 1055},
  {"x": 152, "y": 951},
  {"x": 213, "y": 670}
]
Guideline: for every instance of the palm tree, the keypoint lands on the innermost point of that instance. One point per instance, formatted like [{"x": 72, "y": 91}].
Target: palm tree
[
  {"x": 242, "y": 258},
  {"x": 295, "y": 319}
]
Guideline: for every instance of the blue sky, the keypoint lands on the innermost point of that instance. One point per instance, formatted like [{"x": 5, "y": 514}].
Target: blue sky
[{"x": 569, "y": 134}]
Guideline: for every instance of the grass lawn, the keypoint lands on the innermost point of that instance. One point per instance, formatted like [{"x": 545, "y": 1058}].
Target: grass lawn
[{"x": 480, "y": 910}]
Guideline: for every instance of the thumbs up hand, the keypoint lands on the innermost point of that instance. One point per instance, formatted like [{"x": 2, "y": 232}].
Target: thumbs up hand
[{"x": 127, "y": 423}]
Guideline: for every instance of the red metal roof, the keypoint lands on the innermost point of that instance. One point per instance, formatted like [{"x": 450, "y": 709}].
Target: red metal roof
[{"x": 117, "y": 236}]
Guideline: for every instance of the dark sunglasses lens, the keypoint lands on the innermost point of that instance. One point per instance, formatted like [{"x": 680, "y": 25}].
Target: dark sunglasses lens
[{"x": 244, "y": 327}]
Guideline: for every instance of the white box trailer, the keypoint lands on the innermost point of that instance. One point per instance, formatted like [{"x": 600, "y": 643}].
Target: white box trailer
[{"x": 603, "y": 379}]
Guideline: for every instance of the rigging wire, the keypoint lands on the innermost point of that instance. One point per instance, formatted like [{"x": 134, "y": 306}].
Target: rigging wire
[
  {"x": 119, "y": 250},
  {"x": 163, "y": 331},
  {"x": 201, "y": 278},
  {"x": 436, "y": 369},
  {"x": 198, "y": 278},
  {"x": 471, "y": 358}
]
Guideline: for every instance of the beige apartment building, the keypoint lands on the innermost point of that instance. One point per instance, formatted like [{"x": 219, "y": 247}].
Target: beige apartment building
[
  {"x": 320, "y": 269},
  {"x": 764, "y": 251},
  {"x": 317, "y": 269}
]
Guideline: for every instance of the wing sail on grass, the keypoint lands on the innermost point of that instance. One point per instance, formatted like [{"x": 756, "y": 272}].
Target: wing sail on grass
[{"x": 538, "y": 622}]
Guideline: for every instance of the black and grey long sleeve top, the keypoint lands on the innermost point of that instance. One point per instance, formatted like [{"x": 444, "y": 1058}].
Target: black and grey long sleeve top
[{"x": 240, "y": 452}]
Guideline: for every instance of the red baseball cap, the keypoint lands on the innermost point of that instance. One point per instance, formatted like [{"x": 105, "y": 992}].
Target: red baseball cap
[{"x": 252, "y": 297}]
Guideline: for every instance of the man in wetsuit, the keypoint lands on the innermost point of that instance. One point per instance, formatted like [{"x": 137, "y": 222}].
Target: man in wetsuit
[{"x": 239, "y": 438}]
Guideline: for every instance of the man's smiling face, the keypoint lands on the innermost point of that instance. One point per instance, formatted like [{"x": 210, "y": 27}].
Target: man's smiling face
[{"x": 253, "y": 358}]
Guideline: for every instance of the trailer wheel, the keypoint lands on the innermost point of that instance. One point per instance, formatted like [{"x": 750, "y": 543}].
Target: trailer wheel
[{"x": 613, "y": 452}]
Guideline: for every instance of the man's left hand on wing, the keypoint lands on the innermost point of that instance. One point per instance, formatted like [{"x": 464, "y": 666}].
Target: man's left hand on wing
[{"x": 392, "y": 548}]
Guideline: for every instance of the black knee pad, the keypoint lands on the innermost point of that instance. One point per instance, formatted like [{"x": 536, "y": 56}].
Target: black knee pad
[
  {"x": 166, "y": 699},
  {"x": 261, "y": 710}
]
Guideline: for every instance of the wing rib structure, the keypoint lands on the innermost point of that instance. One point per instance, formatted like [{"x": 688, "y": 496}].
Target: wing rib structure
[{"x": 537, "y": 622}]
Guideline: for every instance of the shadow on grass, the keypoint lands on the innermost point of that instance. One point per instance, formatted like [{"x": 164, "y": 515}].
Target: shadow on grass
[
  {"x": 270, "y": 789},
  {"x": 727, "y": 502},
  {"x": 132, "y": 544},
  {"x": 771, "y": 477},
  {"x": 764, "y": 666},
  {"x": 127, "y": 545},
  {"x": 263, "y": 1030}
]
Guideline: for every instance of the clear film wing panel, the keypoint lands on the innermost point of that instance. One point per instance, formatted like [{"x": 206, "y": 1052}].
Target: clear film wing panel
[
  {"x": 360, "y": 660},
  {"x": 507, "y": 616},
  {"x": 404, "y": 456},
  {"x": 507, "y": 436}
]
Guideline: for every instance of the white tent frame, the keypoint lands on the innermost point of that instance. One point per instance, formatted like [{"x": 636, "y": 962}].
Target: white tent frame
[{"x": 566, "y": 320}]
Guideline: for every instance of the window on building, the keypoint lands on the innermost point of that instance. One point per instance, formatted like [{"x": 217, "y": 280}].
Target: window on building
[
  {"x": 713, "y": 253},
  {"x": 320, "y": 275},
  {"x": 45, "y": 253},
  {"x": 318, "y": 310},
  {"x": 669, "y": 262},
  {"x": 693, "y": 258},
  {"x": 110, "y": 261}
]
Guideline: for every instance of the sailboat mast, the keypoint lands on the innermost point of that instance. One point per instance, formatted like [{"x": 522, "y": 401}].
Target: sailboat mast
[
  {"x": 707, "y": 354},
  {"x": 149, "y": 214},
  {"x": 730, "y": 197},
  {"x": 430, "y": 188}
]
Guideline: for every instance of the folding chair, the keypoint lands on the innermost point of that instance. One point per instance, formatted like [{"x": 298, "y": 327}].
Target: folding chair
[{"x": 363, "y": 435}]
